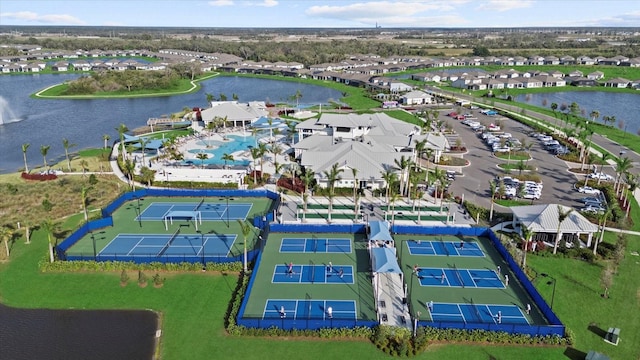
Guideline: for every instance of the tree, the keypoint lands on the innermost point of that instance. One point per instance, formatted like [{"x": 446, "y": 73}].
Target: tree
[
  {"x": 307, "y": 179},
  {"x": 297, "y": 96},
  {"x": 128, "y": 168},
  {"x": 67, "y": 145},
  {"x": 390, "y": 177},
  {"x": 526, "y": 237},
  {"x": 255, "y": 154},
  {"x": 481, "y": 51},
  {"x": 25, "y": 146},
  {"x": 623, "y": 164},
  {"x": 210, "y": 98},
  {"x": 332, "y": 176},
  {"x": 562, "y": 215},
  {"x": 84, "y": 165},
  {"x": 554, "y": 107},
  {"x": 49, "y": 227},
  {"x": 44, "y": 150},
  {"x": 354, "y": 172},
  {"x": 204, "y": 156},
  {"x": 419, "y": 150},
  {"x": 245, "y": 228},
  {"x": 403, "y": 164},
  {"x": 291, "y": 129},
  {"x": 603, "y": 158},
  {"x": 143, "y": 141},
  {"x": 262, "y": 147},
  {"x": 121, "y": 129},
  {"x": 227, "y": 157},
  {"x": 632, "y": 184},
  {"x": 106, "y": 139},
  {"x": 492, "y": 191},
  {"x": 6, "y": 235},
  {"x": 594, "y": 114},
  {"x": 602, "y": 221},
  {"x": 392, "y": 201},
  {"x": 147, "y": 175},
  {"x": 84, "y": 198}
]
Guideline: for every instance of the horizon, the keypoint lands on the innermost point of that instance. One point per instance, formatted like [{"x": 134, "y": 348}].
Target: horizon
[{"x": 327, "y": 14}]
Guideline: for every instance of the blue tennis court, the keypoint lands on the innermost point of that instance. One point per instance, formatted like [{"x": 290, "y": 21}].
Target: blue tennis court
[
  {"x": 313, "y": 274},
  {"x": 449, "y": 277},
  {"x": 310, "y": 309},
  {"x": 444, "y": 248},
  {"x": 208, "y": 211},
  {"x": 158, "y": 245},
  {"x": 302, "y": 245},
  {"x": 477, "y": 313}
]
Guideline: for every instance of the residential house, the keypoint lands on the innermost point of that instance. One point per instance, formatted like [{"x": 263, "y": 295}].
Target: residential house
[
  {"x": 416, "y": 97},
  {"x": 596, "y": 75},
  {"x": 617, "y": 83}
]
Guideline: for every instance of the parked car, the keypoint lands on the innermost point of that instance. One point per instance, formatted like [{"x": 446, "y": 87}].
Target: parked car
[
  {"x": 534, "y": 196},
  {"x": 588, "y": 190},
  {"x": 594, "y": 209},
  {"x": 601, "y": 176}
]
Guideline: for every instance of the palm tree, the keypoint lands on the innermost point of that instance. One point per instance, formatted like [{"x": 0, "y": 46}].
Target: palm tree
[
  {"x": 121, "y": 129},
  {"x": 84, "y": 198},
  {"x": 291, "y": 127},
  {"x": 526, "y": 237},
  {"x": 354, "y": 172},
  {"x": 492, "y": 191},
  {"x": 417, "y": 195},
  {"x": 147, "y": 175},
  {"x": 84, "y": 165},
  {"x": 428, "y": 152},
  {"x": 143, "y": 145},
  {"x": 210, "y": 98},
  {"x": 297, "y": 96},
  {"x": 603, "y": 157},
  {"x": 602, "y": 221},
  {"x": 623, "y": 164},
  {"x": 632, "y": 184},
  {"x": 262, "y": 147},
  {"x": 594, "y": 114},
  {"x": 128, "y": 168},
  {"x": 403, "y": 164},
  {"x": 44, "y": 150},
  {"x": 390, "y": 177},
  {"x": 227, "y": 157},
  {"x": 49, "y": 227},
  {"x": 66, "y": 145},
  {"x": 204, "y": 156},
  {"x": 6, "y": 234},
  {"x": 562, "y": 215},
  {"x": 106, "y": 139},
  {"x": 245, "y": 227},
  {"x": 307, "y": 178},
  {"x": 332, "y": 176},
  {"x": 255, "y": 154},
  {"x": 419, "y": 150},
  {"x": 305, "y": 200},
  {"x": 392, "y": 201},
  {"x": 270, "y": 123},
  {"x": 25, "y": 146}
]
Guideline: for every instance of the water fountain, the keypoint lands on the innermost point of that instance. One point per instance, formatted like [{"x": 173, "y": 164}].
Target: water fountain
[{"x": 6, "y": 115}]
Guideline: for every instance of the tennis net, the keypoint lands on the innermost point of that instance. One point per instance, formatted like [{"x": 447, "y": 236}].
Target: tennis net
[
  {"x": 313, "y": 270},
  {"x": 166, "y": 246},
  {"x": 199, "y": 204},
  {"x": 444, "y": 246},
  {"x": 475, "y": 308},
  {"x": 455, "y": 269}
]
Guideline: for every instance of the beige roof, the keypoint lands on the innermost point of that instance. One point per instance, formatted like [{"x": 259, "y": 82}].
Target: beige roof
[{"x": 544, "y": 218}]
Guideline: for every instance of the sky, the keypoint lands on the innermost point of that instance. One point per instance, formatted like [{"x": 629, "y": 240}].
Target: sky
[{"x": 323, "y": 14}]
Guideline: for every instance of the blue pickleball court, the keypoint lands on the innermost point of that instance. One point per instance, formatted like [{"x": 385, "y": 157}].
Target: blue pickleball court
[
  {"x": 313, "y": 274},
  {"x": 444, "y": 248},
  {"x": 317, "y": 245},
  {"x": 158, "y": 211},
  {"x": 477, "y": 313},
  {"x": 309, "y": 309},
  {"x": 467, "y": 278},
  {"x": 160, "y": 245}
]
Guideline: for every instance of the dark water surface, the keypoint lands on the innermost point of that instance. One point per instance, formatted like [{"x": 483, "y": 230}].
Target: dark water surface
[
  {"x": 83, "y": 122},
  {"x": 38, "y": 334}
]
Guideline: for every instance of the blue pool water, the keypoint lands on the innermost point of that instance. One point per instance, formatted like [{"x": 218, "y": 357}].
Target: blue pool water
[{"x": 234, "y": 143}]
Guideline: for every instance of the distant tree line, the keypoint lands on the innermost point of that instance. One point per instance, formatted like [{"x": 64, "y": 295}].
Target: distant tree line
[
  {"x": 258, "y": 46},
  {"x": 128, "y": 80}
]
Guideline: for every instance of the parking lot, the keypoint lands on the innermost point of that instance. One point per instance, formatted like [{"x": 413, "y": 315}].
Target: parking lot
[{"x": 558, "y": 182}]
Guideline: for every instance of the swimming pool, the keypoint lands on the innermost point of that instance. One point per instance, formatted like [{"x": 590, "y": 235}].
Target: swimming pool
[{"x": 234, "y": 143}]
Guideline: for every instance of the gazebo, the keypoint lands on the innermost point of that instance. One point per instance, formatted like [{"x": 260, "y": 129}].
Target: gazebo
[{"x": 543, "y": 221}]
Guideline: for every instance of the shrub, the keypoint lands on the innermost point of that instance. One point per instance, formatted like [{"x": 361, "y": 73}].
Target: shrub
[
  {"x": 142, "y": 278},
  {"x": 124, "y": 277}
]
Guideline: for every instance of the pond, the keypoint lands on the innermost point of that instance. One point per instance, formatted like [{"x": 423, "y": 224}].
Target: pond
[
  {"x": 84, "y": 122},
  {"x": 624, "y": 106}
]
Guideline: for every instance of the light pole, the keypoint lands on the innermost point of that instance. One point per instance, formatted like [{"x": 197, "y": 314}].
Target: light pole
[
  {"x": 95, "y": 254},
  {"x": 553, "y": 280}
]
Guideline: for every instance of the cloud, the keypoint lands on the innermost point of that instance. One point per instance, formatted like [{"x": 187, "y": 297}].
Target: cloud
[
  {"x": 381, "y": 10},
  {"x": 267, "y": 3},
  {"x": 505, "y": 5},
  {"x": 221, "y": 3},
  {"x": 30, "y": 16}
]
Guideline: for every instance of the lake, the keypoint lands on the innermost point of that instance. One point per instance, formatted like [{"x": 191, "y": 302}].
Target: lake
[
  {"x": 624, "y": 106},
  {"x": 83, "y": 122}
]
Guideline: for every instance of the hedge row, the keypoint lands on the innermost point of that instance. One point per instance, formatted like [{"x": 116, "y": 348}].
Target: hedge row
[{"x": 102, "y": 266}]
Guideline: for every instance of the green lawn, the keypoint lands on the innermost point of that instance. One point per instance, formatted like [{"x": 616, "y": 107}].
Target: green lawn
[{"x": 193, "y": 308}]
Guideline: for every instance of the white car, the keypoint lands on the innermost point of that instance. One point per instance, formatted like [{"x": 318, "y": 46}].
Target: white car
[
  {"x": 534, "y": 196},
  {"x": 601, "y": 176},
  {"x": 588, "y": 190}
]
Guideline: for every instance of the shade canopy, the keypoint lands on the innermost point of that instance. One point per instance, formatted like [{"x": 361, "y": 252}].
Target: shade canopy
[
  {"x": 384, "y": 260},
  {"x": 379, "y": 230}
]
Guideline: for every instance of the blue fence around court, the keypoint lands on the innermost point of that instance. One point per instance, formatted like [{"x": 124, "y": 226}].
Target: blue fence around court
[
  {"x": 319, "y": 228},
  {"x": 555, "y": 326},
  {"x": 107, "y": 220}
]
